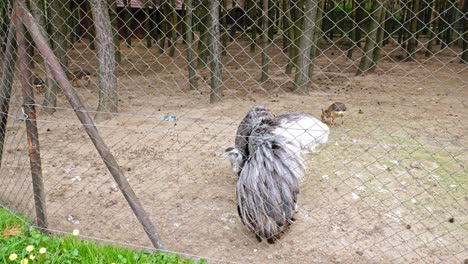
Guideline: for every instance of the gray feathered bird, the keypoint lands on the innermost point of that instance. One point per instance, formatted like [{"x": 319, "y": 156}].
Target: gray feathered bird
[{"x": 268, "y": 159}]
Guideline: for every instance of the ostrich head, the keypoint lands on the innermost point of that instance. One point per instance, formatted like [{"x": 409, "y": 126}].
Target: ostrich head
[{"x": 235, "y": 157}]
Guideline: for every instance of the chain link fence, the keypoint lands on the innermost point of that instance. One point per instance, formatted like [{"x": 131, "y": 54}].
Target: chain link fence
[{"x": 169, "y": 83}]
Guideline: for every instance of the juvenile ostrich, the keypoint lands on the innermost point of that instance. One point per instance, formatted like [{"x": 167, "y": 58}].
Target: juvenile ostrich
[{"x": 268, "y": 159}]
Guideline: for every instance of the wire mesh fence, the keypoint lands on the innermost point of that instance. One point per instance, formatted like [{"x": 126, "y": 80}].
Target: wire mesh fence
[{"x": 168, "y": 83}]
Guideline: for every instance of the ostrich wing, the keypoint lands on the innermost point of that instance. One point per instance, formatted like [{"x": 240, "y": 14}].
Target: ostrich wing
[
  {"x": 251, "y": 119},
  {"x": 306, "y": 130}
]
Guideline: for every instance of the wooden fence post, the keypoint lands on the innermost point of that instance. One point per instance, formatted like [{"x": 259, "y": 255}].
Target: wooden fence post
[
  {"x": 88, "y": 124},
  {"x": 31, "y": 125}
]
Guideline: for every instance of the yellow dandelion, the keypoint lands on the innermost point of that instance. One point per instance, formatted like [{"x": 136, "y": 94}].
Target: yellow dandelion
[
  {"x": 42, "y": 250},
  {"x": 32, "y": 257},
  {"x": 24, "y": 261},
  {"x": 76, "y": 232},
  {"x": 29, "y": 248},
  {"x": 13, "y": 257}
]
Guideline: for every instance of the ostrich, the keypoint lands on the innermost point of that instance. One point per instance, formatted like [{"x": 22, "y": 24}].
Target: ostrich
[
  {"x": 305, "y": 130},
  {"x": 268, "y": 159}
]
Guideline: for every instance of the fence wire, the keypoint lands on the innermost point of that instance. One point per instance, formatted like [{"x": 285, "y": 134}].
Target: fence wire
[{"x": 170, "y": 82}]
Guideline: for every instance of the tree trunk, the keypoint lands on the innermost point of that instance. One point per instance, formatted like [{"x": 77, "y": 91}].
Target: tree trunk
[
  {"x": 148, "y": 37},
  {"x": 315, "y": 51},
  {"x": 155, "y": 30},
  {"x": 286, "y": 23},
  {"x": 115, "y": 30},
  {"x": 354, "y": 28},
  {"x": 164, "y": 24},
  {"x": 90, "y": 32},
  {"x": 450, "y": 15},
  {"x": 380, "y": 39},
  {"x": 298, "y": 29},
  {"x": 108, "y": 96},
  {"x": 173, "y": 39},
  {"x": 441, "y": 22},
  {"x": 127, "y": 20},
  {"x": 294, "y": 36},
  {"x": 271, "y": 18},
  {"x": 72, "y": 22},
  {"x": 204, "y": 26},
  {"x": 464, "y": 57},
  {"x": 253, "y": 15},
  {"x": 306, "y": 42},
  {"x": 331, "y": 15},
  {"x": 224, "y": 38},
  {"x": 413, "y": 42},
  {"x": 215, "y": 50},
  {"x": 371, "y": 40},
  {"x": 265, "y": 41},
  {"x": 191, "y": 59},
  {"x": 59, "y": 45},
  {"x": 432, "y": 28},
  {"x": 404, "y": 25},
  {"x": 359, "y": 21}
]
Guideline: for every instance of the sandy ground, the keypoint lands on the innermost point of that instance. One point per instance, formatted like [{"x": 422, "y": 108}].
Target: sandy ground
[{"x": 389, "y": 186}]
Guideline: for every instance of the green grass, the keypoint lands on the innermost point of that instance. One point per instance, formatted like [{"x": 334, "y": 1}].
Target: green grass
[{"x": 67, "y": 249}]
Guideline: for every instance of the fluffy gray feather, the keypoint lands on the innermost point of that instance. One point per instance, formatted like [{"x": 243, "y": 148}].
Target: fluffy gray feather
[
  {"x": 268, "y": 185},
  {"x": 248, "y": 123}
]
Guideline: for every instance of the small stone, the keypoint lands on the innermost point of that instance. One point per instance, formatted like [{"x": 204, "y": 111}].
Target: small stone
[
  {"x": 72, "y": 219},
  {"x": 451, "y": 220},
  {"x": 359, "y": 252},
  {"x": 355, "y": 196},
  {"x": 114, "y": 187},
  {"x": 77, "y": 178}
]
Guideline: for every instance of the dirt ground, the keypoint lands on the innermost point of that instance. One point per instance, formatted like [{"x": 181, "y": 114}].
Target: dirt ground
[{"x": 389, "y": 186}]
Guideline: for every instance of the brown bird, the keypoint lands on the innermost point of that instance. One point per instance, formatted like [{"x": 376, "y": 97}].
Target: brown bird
[
  {"x": 39, "y": 84},
  {"x": 334, "y": 111}
]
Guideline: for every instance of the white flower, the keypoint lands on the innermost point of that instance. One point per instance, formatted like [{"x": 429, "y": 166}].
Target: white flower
[
  {"x": 31, "y": 257},
  {"x": 29, "y": 248},
  {"x": 42, "y": 250},
  {"x": 24, "y": 261},
  {"x": 76, "y": 232},
  {"x": 13, "y": 257}
]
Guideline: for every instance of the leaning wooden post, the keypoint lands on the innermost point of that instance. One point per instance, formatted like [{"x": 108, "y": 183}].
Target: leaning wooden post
[
  {"x": 31, "y": 125},
  {"x": 6, "y": 83},
  {"x": 89, "y": 127}
]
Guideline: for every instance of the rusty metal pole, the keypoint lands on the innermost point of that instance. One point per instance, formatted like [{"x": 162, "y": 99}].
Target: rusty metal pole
[
  {"x": 6, "y": 83},
  {"x": 88, "y": 124},
  {"x": 31, "y": 125}
]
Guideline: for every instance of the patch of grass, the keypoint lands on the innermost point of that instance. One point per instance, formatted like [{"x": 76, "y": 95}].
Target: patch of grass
[{"x": 15, "y": 237}]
